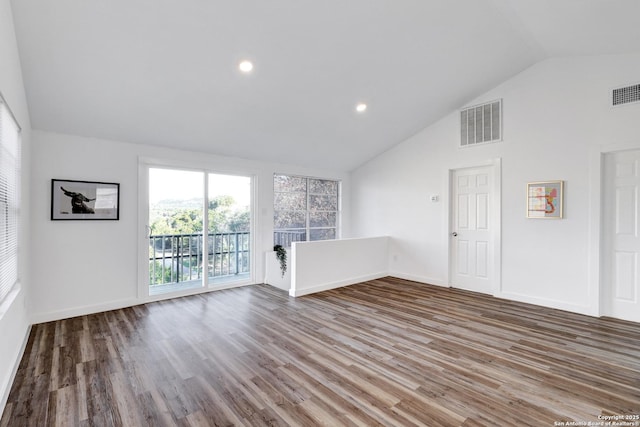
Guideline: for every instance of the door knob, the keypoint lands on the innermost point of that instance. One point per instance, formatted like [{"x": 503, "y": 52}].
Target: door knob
[{"x": 454, "y": 234}]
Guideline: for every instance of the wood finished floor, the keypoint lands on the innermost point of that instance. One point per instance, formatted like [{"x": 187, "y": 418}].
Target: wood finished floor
[{"x": 386, "y": 352}]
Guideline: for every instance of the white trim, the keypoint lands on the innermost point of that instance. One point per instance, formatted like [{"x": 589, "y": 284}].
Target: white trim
[
  {"x": 197, "y": 291},
  {"x": 338, "y": 284},
  {"x": 594, "y": 238},
  {"x": 144, "y": 164},
  {"x": 129, "y": 302},
  {"x": 420, "y": 279},
  {"x": 205, "y": 226},
  {"x": 143, "y": 230},
  {"x": 497, "y": 225},
  {"x": 546, "y": 302},
  {"x": 595, "y": 279},
  {"x": 84, "y": 310}
]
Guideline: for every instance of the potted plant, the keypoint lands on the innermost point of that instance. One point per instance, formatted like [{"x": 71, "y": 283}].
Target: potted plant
[{"x": 281, "y": 255}]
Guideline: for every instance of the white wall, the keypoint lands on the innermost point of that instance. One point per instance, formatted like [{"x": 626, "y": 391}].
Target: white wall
[
  {"x": 14, "y": 315},
  {"x": 273, "y": 274},
  {"x": 328, "y": 264},
  {"x": 556, "y": 115},
  {"x": 89, "y": 266}
]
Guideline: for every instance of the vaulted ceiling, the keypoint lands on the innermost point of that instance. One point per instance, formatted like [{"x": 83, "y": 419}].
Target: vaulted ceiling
[{"x": 165, "y": 72}]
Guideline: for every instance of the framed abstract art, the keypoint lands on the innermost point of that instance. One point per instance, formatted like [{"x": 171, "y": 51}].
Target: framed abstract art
[{"x": 545, "y": 199}]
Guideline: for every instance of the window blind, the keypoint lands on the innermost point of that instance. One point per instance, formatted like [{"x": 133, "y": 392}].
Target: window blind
[{"x": 9, "y": 198}]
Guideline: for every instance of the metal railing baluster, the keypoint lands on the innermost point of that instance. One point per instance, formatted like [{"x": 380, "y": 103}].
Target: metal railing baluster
[{"x": 228, "y": 256}]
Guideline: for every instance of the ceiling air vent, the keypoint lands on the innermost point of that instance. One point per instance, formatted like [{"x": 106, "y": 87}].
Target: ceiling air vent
[
  {"x": 626, "y": 95},
  {"x": 481, "y": 124}
]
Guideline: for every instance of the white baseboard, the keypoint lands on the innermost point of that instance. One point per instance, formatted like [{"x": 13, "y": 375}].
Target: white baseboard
[
  {"x": 82, "y": 311},
  {"x": 544, "y": 302},
  {"x": 278, "y": 286},
  {"x": 338, "y": 284},
  {"x": 129, "y": 302},
  {"x": 549, "y": 303},
  {"x": 420, "y": 279}
]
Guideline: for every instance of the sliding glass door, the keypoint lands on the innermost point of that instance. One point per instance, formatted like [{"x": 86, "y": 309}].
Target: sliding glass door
[
  {"x": 229, "y": 220},
  {"x": 199, "y": 230}
]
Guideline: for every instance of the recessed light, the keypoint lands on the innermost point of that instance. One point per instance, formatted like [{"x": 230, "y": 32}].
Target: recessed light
[
  {"x": 361, "y": 107},
  {"x": 246, "y": 66}
]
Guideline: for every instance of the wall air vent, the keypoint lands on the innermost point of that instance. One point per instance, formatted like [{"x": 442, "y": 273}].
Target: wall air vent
[
  {"x": 626, "y": 95},
  {"x": 481, "y": 124}
]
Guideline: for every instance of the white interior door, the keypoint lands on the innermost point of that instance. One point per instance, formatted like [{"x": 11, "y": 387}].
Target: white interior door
[
  {"x": 621, "y": 207},
  {"x": 471, "y": 246}
]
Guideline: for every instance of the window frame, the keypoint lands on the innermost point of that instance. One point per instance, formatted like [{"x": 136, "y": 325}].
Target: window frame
[
  {"x": 307, "y": 211},
  {"x": 207, "y": 168}
]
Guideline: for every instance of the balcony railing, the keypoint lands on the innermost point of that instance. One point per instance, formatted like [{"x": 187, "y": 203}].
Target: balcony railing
[
  {"x": 175, "y": 258},
  {"x": 286, "y": 237}
]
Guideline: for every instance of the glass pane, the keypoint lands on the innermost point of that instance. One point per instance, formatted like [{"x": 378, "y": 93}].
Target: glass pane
[
  {"x": 323, "y": 203},
  {"x": 176, "y": 201},
  {"x": 323, "y": 186},
  {"x": 322, "y": 219},
  {"x": 229, "y": 215},
  {"x": 290, "y": 201},
  {"x": 298, "y": 209},
  {"x": 289, "y": 183},
  {"x": 322, "y": 234},
  {"x": 289, "y": 219}
]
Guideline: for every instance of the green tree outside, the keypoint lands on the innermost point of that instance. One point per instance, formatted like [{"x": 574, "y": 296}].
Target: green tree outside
[{"x": 223, "y": 217}]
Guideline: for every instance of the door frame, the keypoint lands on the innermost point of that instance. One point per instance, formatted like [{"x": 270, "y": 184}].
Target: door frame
[
  {"x": 494, "y": 166},
  {"x": 597, "y": 280},
  {"x": 144, "y": 164}
]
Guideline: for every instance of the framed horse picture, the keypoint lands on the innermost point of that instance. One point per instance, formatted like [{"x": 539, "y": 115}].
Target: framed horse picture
[{"x": 84, "y": 200}]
